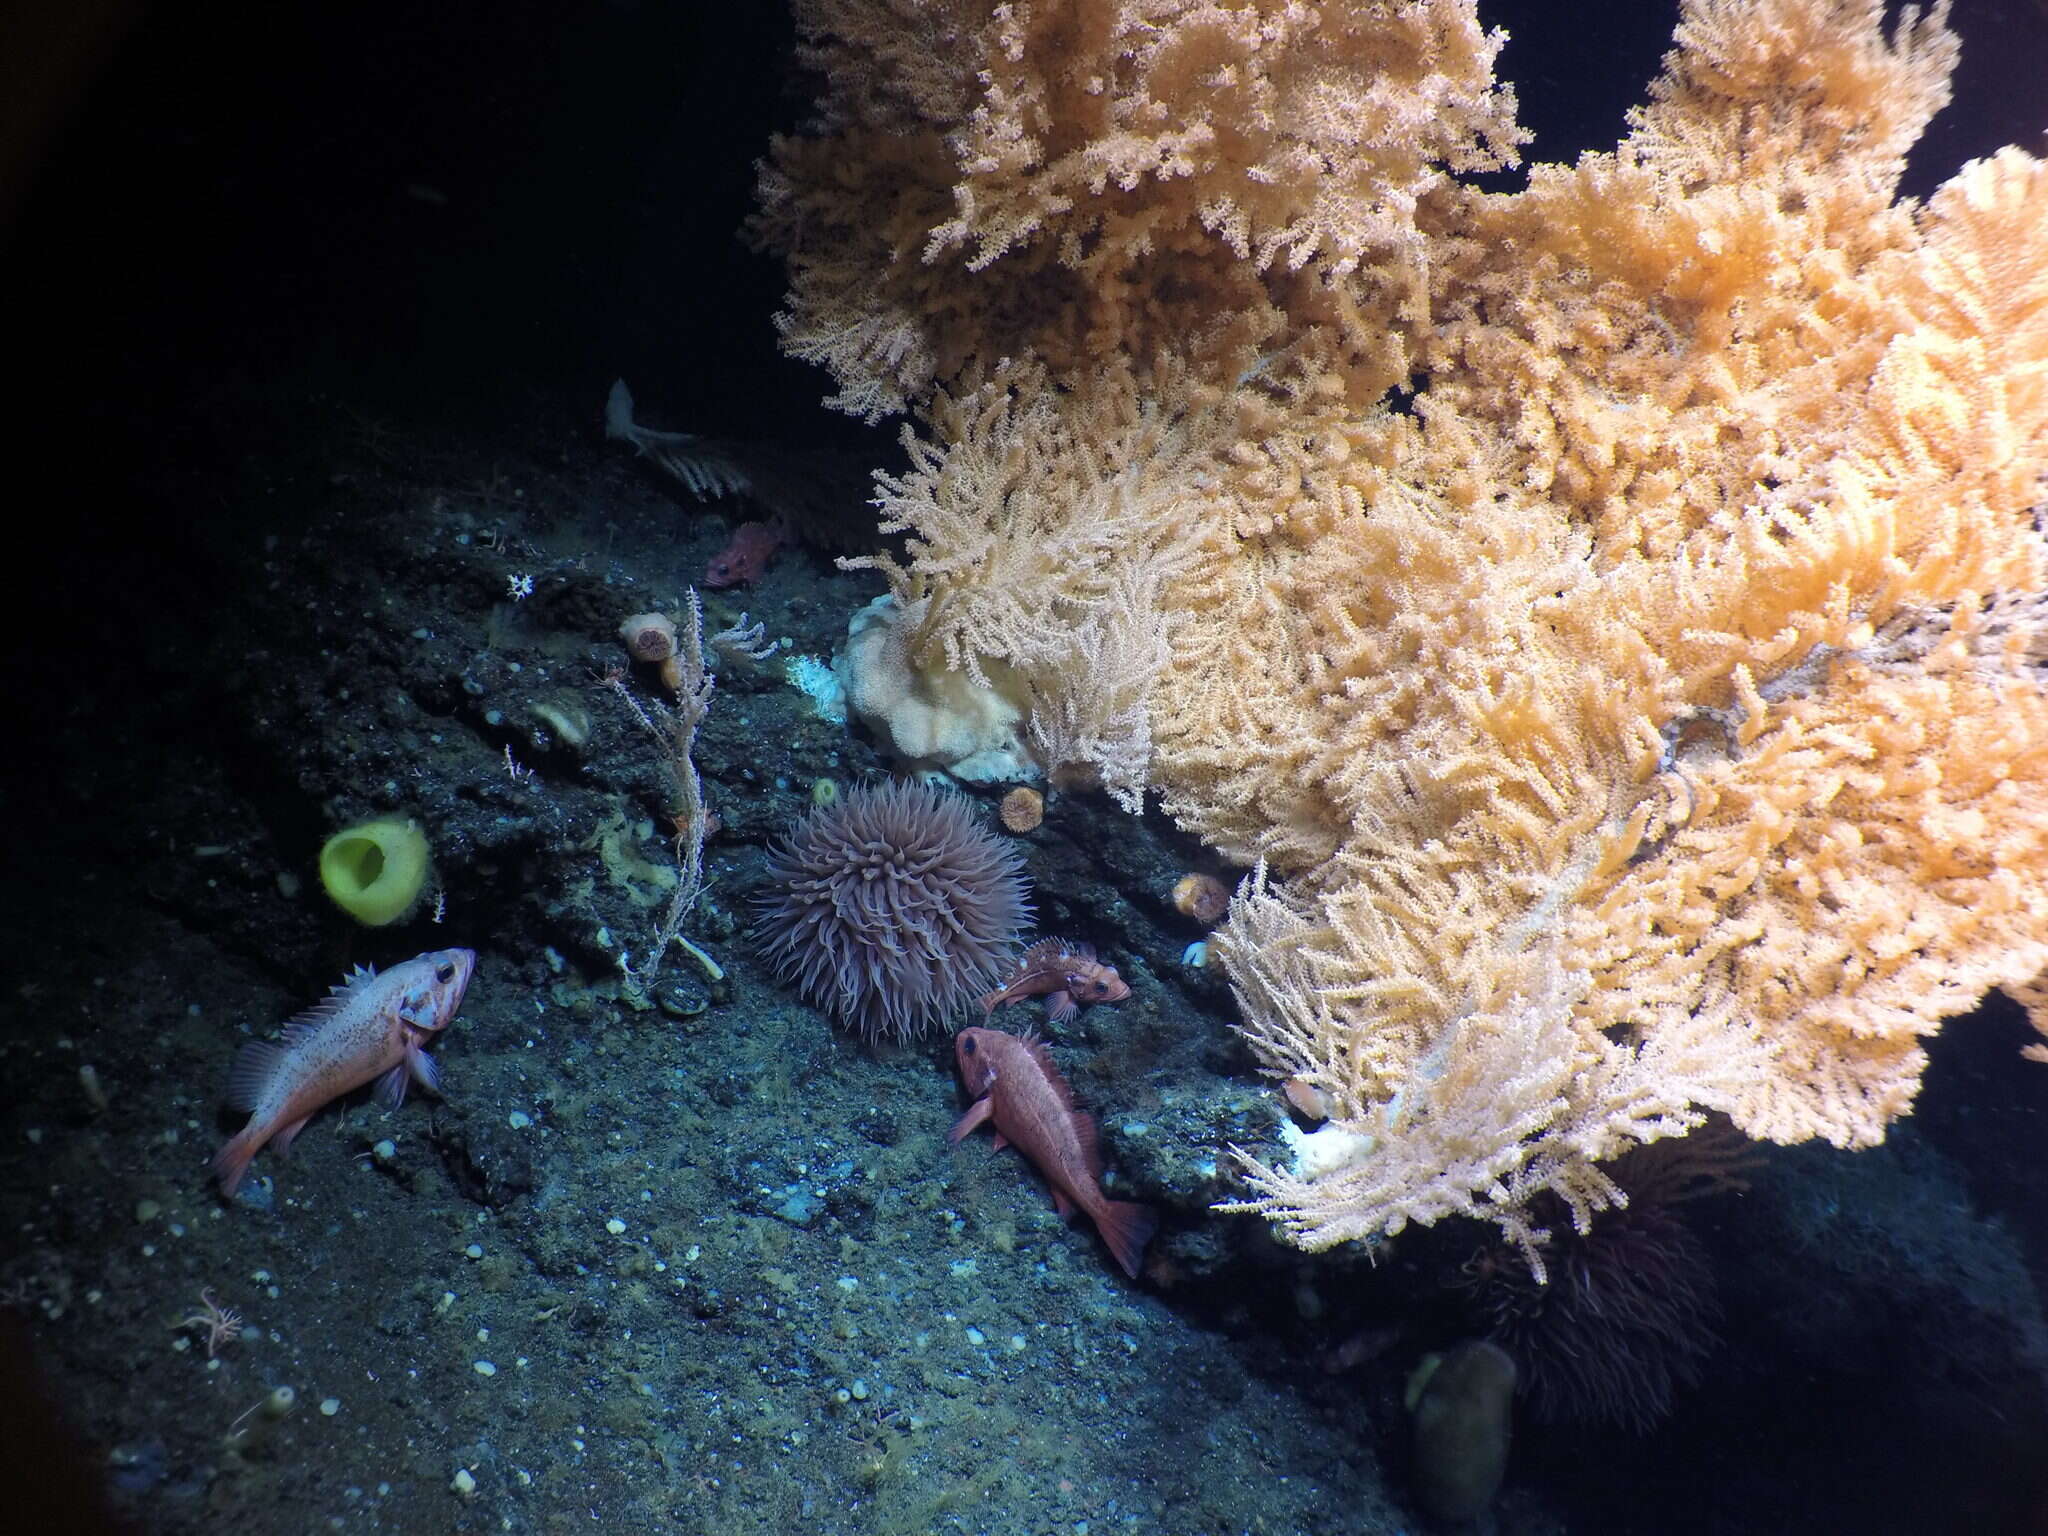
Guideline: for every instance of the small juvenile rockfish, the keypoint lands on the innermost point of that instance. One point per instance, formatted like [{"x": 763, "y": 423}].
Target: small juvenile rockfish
[
  {"x": 372, "y": 1026},
  {"x": 1015, "y": 1085},
  {"x": 1066, "y": 975}
]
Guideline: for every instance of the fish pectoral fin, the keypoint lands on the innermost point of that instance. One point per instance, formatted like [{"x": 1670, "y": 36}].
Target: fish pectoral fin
[
  {"x": 977, "y": 1113},
  {"x": 1061, "y": 1005},
  {"x": 390, "y": 1090},
  {"x": 424, "y": 1071},
  {"x": 1000, "y": 1142}
]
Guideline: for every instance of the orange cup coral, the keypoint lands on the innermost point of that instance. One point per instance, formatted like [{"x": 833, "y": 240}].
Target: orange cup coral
[{"x": 1201, "y": 897}]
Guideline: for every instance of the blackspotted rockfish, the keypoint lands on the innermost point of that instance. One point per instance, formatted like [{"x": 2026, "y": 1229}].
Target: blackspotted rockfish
[
  {"x": 375, "y": 1026},
  {"x": 1016, "y": 1087},
  {"x": 1066, "y": 975}
]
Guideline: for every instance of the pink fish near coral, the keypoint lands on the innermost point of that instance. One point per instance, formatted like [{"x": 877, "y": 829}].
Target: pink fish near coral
[
  {"x": 373, "y": 1027},
  {"x": 1015, "y": 1086},
  {"x": 746, "y": 557},
  {"x": 1065, "y": 975}
]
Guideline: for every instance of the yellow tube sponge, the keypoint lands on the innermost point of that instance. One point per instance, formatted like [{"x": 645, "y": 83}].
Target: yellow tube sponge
[{"x": 375, "y": 871}]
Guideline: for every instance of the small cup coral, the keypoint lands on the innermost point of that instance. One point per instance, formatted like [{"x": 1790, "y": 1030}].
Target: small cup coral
[
  {"x": 1022, "y": 809},
  {"x": 1201, "y": 897},
  {"x": 649, "y": 636},
  {"x": 892, "y": 908}
]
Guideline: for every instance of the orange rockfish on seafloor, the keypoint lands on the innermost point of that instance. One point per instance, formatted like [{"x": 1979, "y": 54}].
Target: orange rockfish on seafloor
[
  {"x": 374, "y": 1026},
  {"x": 1015, "y": 1085},
  {"x": 1066, "y": 975}
]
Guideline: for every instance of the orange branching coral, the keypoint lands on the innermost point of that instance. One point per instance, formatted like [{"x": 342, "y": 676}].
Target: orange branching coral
[
  {"x": 1080, "y": 180},
  {"x": 1644, "y": 717},
  {"x": 1056, "y": 602}
]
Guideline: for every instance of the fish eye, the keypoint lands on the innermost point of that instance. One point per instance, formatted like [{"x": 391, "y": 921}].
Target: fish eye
[
  {"x": 967, "y": 1045},
  {"x": 444, "y": 973}
]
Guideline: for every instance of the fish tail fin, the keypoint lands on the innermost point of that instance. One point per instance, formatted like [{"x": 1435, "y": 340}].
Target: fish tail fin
[
  {"x": 1127, "y": 1227},
  {"x": 234, "y": 1157}
]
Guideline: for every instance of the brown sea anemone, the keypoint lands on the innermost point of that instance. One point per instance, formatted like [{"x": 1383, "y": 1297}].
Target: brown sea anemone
[
  {"x": 1622, "y": 1328},
  {"x": 892, "y": 908},
  {"x": 1628, "y": 1317}
]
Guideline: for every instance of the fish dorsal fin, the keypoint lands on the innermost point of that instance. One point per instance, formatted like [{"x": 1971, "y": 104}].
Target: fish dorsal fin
[
  {"x": 1043, "y": 1057},
  {"x": 1054, "y": 949},
  {"x": 352, "y": 980},
  {"x": 301, "y": 1027},
  {"x": 249, "y": 1078}
]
